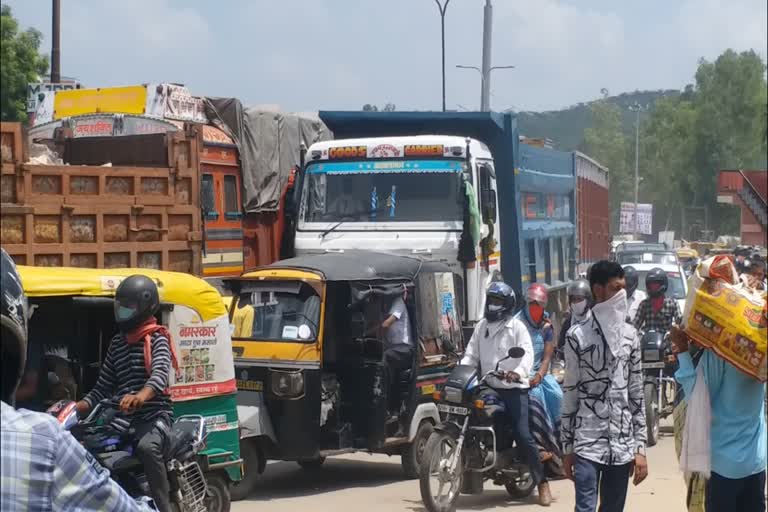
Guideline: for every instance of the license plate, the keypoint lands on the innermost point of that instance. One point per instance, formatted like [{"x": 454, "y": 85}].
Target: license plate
[
  {"x": 452, "y": 409},
  {"x": 646, "y": 366}
]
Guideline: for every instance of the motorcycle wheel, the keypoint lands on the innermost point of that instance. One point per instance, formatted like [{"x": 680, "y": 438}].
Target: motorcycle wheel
[
  {"x": 435, "y": 474},
  {"x": 218, "y": 499},
  {"x": 651, "y": 413},
  {"x": 520, "y": 487}
]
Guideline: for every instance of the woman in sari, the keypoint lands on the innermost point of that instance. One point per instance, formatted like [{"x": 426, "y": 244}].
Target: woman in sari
[{"x": 545, "y": 396}]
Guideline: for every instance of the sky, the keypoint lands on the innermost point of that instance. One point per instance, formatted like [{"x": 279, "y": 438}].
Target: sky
[{"x": 307, "y": 55}]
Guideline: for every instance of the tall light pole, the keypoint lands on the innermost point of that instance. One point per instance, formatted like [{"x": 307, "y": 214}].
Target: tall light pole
[
  {"x": 637, "y": 108},
  {"x": 485, "y": 85},
  {"x": 55, "y": 44},
  {"x": 485, "y": 101},
  {"x": 442, "y": 8}
]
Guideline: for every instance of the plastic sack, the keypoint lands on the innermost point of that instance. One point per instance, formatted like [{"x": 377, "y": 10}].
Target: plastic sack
[
  {"x": 695, "y": 454},
  {"x": 727, "y": 317}
]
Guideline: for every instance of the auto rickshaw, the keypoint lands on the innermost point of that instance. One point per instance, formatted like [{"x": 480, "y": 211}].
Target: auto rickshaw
[
  {"x": 688, "y": 258},
  {"x": 309, "y": 358},
  {"x": 73, "y": 318}
]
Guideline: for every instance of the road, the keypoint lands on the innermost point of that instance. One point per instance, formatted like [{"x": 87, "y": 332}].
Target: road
[{"x": 373, "y": 483}]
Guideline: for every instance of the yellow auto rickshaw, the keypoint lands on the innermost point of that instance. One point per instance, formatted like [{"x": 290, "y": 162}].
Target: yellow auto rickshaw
[
  {"x": 72, "y": 318},
  {"x": 309, "y": 364}
]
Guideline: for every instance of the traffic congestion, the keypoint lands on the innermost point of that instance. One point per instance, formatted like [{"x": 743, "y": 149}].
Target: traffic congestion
[{"x": 209, "y": 306}]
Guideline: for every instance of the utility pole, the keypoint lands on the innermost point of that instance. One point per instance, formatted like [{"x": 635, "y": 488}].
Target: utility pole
[
  {"x": 636, "y": 108},
  {"x": 485, "y": 79},
  {"x": 442, "y": 9},
  {"x": 56, "y": 43},
  {"x": 485, "y": 83}
]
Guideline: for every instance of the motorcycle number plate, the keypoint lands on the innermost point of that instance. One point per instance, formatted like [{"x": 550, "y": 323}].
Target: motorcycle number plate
[
  {"x": 452, "y": 409},
  {"x": 647, "y": 366}
]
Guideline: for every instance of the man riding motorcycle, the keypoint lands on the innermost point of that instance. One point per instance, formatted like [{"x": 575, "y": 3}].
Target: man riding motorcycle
[
  {"x": 494, "y": 335},
  {"x": 137, "y": 370},
  {"x": 42, "y": 466},
  {"x": 634, "y": 296},
  {"x": 658, "y": 312}
]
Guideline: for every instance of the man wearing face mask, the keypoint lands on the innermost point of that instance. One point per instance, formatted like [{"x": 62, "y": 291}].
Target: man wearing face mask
[
  {"x": 493, "y": 337},
  {"x": 603, "y": 426},
  {"x": 579, "y": 301},
  {"x": 634, "y": 296},
  {"x": 658, "y": 312}
]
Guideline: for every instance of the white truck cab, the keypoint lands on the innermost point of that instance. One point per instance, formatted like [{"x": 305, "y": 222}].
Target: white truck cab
[{"x": 413, "y": 195}]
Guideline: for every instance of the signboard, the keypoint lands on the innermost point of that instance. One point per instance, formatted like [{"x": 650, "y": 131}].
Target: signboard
[
  {"x": 206, "y": 367},
  {"x": 390, "y": 150},
  {"x": 180, "y": 105},
  {"x": 122, "y": 100},
  {"x": 644, "y": 218},
  {"x": 36, "y": 88},
  {"x": 347, "y": 152},
  {"x": 424, "y": 150},
  {"x": 104, "y": 125}
]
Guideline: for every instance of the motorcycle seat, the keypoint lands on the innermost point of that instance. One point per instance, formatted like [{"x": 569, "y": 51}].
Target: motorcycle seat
[{"x": 119, "y": 461}]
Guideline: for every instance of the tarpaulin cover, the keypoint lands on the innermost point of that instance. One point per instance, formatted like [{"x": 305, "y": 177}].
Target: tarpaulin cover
[{"x": 269, "y": 143}]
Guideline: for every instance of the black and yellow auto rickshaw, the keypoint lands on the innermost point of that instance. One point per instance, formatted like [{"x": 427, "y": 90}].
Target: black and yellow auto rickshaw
[{"x": 308, "y": 357}]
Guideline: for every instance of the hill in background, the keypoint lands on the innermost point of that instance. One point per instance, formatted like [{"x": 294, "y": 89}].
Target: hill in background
[{"x": 566, "y": 127}]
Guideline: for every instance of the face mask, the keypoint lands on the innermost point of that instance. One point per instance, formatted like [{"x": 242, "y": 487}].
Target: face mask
[
  {"x": 579, "y": 308},
  {"x": 493, "y": 312},
  {"x": 536, "y": 311},
  {"x": 611, "y": 315}
]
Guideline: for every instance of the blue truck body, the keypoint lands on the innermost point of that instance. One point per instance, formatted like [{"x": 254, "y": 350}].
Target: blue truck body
[{"x": 537, "y": 238}]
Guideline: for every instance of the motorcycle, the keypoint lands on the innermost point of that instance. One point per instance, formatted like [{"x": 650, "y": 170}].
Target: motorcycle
[
  {"x": 659, "y": 388},
  {"x": 114, "y": 451},
  {"x": 462, "y": 451}
]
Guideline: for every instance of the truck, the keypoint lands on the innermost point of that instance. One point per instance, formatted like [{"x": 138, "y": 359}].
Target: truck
[
  {"x": 593, "y": 241},
  {"x": 454, "y": 187}
]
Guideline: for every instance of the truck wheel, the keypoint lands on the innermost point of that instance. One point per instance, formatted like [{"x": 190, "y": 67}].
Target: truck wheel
[
  {"x": 249, "y": 452},
  {"x": 651, "y": 413},
  {"x": 218, "y": 499},
  {"x": 413, "y": 453},
  {"x": 311, "y": 464}
]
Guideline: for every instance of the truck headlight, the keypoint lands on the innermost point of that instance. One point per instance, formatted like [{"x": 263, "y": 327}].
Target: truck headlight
[{"x": 288, "y": 384}]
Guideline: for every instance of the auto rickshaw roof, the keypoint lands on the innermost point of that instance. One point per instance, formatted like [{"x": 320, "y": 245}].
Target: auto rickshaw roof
[
  {"x": 361, "y": 266},
  {"x": 174, "y": 287}
]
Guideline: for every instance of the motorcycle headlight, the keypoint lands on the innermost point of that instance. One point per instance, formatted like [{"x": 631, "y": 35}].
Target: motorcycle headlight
[
  {"x": 651, "y": 355},
  {"x": 452, "y": 394},
  {"x": 288, "y": 384}
]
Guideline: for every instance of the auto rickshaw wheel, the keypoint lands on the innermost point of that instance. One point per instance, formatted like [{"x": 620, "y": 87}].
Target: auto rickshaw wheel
[
  {"x": 311, "y": 464},
  {"x": 413, "y": 453},
  {"x": 252, "y": 467},
  {"x": 218, "y": 499}
]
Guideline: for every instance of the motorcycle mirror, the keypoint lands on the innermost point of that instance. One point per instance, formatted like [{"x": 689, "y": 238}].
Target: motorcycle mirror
[{"x": 516, "y": 352}]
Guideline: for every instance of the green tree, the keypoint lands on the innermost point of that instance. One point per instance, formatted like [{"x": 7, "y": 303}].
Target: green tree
[
  {"x": 605, "y": 141},
  {"x": 20, "y": 63}
]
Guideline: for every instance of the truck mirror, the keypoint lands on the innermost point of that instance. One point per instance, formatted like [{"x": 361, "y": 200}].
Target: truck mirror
[{"x": 489, "y": 205}]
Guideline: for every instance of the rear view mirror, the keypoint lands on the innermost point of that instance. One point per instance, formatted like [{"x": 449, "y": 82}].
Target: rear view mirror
[{"x": 516, "y": 352}]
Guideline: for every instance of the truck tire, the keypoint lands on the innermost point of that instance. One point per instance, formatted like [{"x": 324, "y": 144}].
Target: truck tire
[
  {"x": 413, "y": 452},
  {"x": 311, "y": 464},
  {"x": 651, "y": 412},
  {"x": 252, "y": 460}
]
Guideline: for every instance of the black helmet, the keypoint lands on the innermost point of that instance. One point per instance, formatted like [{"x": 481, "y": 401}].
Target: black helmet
[
  {"x": 136, "y": 300},
  {"x": 13, "y": 321},
  {"x": 632, "y": 279},
  {"x": 579, "y": 288},
  {"x": 656, "y": 275},
  {"x": 505, "y": 293}
]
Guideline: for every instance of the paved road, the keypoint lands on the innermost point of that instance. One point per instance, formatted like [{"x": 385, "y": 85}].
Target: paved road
[{"x": 374, "y": 484}]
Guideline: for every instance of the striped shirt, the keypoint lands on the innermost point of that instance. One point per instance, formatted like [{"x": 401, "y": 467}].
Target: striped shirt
[
  {"x": 124, "y": 372},
  {"x": 44, "y": 468}
]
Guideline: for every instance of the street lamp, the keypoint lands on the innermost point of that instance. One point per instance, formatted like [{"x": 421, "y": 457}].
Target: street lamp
[
  {"x": 485, "y": 102},
  {"x": 636, "y": 108},
  {"x": 442, "y": 8}
]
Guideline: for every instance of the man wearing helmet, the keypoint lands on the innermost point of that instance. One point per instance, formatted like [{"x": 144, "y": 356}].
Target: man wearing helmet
[
  {"x": 658, "y": 312},
  {"x": 634, "y": 296},
  {"x": 136, "y": 372},
  {"x": 494, "y": 335},
  {"x": 43, "y": 466},
  {"x": 579, "y": 302}
]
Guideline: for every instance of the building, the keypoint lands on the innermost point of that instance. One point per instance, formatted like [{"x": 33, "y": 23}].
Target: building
[{"x": 749, "y": 191}]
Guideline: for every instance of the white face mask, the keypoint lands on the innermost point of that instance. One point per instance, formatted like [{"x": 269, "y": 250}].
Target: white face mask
[
  {"x": 579, "y": 308},
  {"x": 611, "y": 316}
]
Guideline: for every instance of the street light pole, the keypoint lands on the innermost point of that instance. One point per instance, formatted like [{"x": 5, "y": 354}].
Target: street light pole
[
  {"x": 55, "y": 42},
  {"x": 485, "y": 82},
  {"x": 485, "y": 85},
  {"x": 442, "y": 9},
  {"x": 636, "y": 108}
]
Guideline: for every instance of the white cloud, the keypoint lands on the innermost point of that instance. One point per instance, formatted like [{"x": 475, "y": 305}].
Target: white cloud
[{"x": 711, "y": 26}]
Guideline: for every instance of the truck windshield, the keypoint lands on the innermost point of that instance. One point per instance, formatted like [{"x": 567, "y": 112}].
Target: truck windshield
[
  {"x": 383, "y": 191},
  {"x": 277, "y": 311}
]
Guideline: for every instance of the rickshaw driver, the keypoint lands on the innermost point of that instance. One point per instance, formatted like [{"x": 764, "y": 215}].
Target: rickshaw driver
[
  {"x": 398, "y": 348},
  {"x": 137, "y": 369}
]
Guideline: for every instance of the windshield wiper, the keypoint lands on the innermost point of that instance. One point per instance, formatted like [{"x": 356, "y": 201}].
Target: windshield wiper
[{"x": 353, "y": 214}]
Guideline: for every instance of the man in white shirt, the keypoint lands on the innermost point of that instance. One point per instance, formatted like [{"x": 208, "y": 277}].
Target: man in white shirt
[
  {"x": 634, "y": 296},
  {"x": 493, "y": 337},
  {"x": 398, "y": 348}
]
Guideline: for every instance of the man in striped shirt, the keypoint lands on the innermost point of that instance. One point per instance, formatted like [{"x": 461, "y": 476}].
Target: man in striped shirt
[{"x": 136, "y": 374}]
